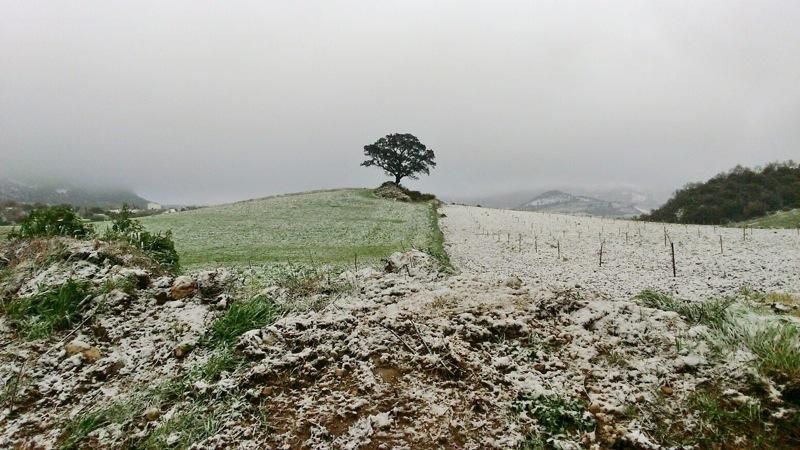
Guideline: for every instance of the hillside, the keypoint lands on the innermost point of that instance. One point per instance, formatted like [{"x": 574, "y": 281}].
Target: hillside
[
  {"x": 563, "y": 203},
  {"x": 780, "y": 219},
  {"x": 67, "y": 194},
  {"x": 323, "y": 227},
  {"x": 735, "y": 196}
]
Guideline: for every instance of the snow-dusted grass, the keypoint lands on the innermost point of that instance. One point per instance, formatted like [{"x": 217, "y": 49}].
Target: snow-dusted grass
[
  {"x": 331, "y": 227},
  {"x": 635, "y": 255},
  {"x": 781, "y": 219}
]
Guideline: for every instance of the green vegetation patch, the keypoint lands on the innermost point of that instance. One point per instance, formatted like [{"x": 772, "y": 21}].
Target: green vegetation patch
[
  {"x": 52, "y": 221},
  {"x": 40, "y": 315},
  {"x": 158, "y": 246},
  {"x": 714, "y": 420},
  {"x": 241, "y": 317},
  {"x": 780, "y": 219},
  {"x": 556, "y": 417},
  {"x": 331, "y": 227},
  {"x": 713, "y": 313},
  {"x": 772, "y": 339}
]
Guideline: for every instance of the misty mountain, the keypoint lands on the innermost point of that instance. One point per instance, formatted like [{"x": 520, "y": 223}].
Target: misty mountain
[
  {"x": 564, "y": 203},
  {"x": 641, "y": 200},
  {"x": 68, "y": 194}
]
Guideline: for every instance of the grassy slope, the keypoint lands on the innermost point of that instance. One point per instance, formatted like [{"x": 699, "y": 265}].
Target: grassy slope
[
  {"x": 781, "y": 219},
  {"x": 327, "y": 227},
  {"x": 4, "y": 231}
]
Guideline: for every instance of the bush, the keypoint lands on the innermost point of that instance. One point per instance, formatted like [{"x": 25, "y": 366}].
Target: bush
[
  {"x": 158, "y": 246},
  {"x": 52, "y": 221}
]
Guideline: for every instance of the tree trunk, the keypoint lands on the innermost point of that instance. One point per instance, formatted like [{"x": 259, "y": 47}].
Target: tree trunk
[{"x": 397, "y": 179}]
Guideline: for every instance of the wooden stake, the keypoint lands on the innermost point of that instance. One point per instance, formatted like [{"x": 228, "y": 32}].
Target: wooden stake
[
  {"x": 558, "y": 245},
  {"x": 721, "y": 250},
  {"x": 601, "y": 253},
  {"x": 674, "y": 271}
]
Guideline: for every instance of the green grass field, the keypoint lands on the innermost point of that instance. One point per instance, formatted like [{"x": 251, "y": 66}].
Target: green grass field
[
  {"x": 781, "y": 219},
  {"x": 329, "y": 227}
]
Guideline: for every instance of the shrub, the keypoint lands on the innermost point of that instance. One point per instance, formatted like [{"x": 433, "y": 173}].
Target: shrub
[
  {"x": 52, "y": 221},
  {"x": 158, "y": 246}
]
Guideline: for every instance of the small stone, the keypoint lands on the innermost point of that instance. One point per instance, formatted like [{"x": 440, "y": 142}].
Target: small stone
[
  {"x": 161, "y": 297},
  {"x": 666, "y": 390},
  {"x": 512, "y": 282},
  {"x": 152, "y": 414},
  {"x": 595, "y": 407},
  {"x": 182, "y": 287},
  {"x": 92, "y": 354},
  {"x": 266, "y": 391},
  {"x": 76, "y": 346},
  {"x": 339, "y": 372},
  {"x": 781, "y": 308},
  {"x": 183, "y": 349}
]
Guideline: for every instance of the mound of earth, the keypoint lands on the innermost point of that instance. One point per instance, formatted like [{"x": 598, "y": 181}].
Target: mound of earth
[
  {"x": 393, "y": 191},
  {"x": 401, "y": 358}
]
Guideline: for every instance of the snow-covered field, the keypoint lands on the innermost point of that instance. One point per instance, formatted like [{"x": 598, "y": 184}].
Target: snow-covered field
[
  {"x": 518, "y": 349},
  {"x": 635, "y": 257}
]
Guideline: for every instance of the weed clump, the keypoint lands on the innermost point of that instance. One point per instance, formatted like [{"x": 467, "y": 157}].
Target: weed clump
[
  {"x": 556, "y": 418},
  {"x": 714, "y": 420},
  {"x": 241, "y": 317},
  {"x": 712, "y": 313},
  {"x": 51, "y": 221},
  {"x": 53, "y": 310},
  {"x": 777, "y": 347}
]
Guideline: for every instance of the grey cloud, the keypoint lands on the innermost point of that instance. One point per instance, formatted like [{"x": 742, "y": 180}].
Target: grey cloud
[{"x": 191, "y": 101}]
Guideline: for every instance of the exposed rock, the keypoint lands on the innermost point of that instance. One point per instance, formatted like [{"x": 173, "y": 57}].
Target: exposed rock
[
  {"x": 181, "y": 350},
  {"x": 182, "y": 287},
  {"x": 76, "y": 346},
  {"x": 152, "y": 414}
]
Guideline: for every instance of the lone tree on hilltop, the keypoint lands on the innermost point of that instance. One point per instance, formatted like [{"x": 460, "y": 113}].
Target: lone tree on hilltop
[{"x": 400, "y": 155}]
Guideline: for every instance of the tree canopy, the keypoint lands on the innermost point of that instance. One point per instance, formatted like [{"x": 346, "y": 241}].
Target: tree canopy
[
  {"x": 737, "y": 195},
  {"x": 400, "y": 156}
]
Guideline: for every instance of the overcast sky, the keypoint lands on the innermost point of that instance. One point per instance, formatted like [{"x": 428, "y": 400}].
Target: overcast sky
[{"x": 210, "y": 101}]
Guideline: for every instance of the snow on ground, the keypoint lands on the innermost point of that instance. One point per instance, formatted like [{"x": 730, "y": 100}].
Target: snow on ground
[
  {"x": 519, "y": 349},
  {"x": 635, "y": 257}
]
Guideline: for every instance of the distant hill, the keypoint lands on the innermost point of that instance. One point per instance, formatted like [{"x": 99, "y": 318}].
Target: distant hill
[
  {"x": 66, "y": 194},
  {"x": 735, "y": 196},
  {"x": 564, "y": 203},
  {"x": 642, "y": 200}
]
